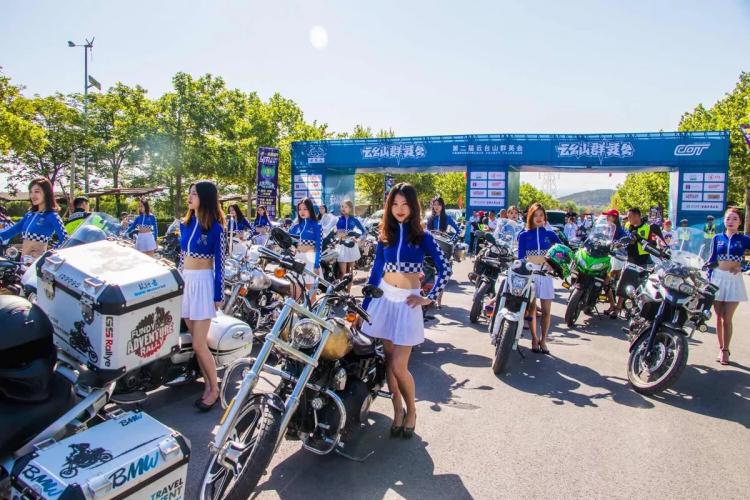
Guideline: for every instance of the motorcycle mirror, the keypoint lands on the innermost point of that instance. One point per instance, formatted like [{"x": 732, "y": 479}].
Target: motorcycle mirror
[
  {"x": 372, "y": 291},
  {"x": 342, "y": 283},
  {"x": 281, "y": 237}
]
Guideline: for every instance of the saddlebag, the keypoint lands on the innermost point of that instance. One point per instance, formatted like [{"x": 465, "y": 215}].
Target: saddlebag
[
  {"x": 129, "y": 456},
  {"x": 229, "y": 338},
  {"x": 111, "y": 306}
]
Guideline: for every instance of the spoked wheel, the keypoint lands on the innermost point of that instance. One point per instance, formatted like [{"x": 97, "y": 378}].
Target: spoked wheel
[
  {"x": 248, "y": 452},
  {"x": 232, "y": 379},
  {"x": 657, "y": 370}
]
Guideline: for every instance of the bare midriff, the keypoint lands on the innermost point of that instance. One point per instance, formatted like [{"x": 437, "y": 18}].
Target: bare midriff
[
  {"x": 261, "y": 229},
  {"x": 536, "y": 259},
  {"x": 33, "y": 248},
  {"x": 144, "y": 230},
  {"x": 195, "y": 263},
  {"x": 728, "y": 265},
  {"x": 305, "y": 248},
  {"x": 408, "y": 281}
]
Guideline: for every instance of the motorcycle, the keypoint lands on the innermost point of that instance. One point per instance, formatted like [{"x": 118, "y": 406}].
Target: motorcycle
[
  {"x": 493, "y": 258},
  {"x": 170, "y": 244},
  {"x": 367, "y": 247},
  {"x": 11, "y": 271},
  {"x": 589, "y": 270},
  {"x": 668, "y": 308},
  {"x": 329, "y": 374},
  {"x": 517, "y": 292}
]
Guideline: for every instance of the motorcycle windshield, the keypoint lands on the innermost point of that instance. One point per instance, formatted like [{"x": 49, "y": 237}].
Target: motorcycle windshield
[
  {"x": 689, "y": 248},
  {"x": 97, "y": 226},
  {"x": 603, "y": 231},
  {"x": 508, "y": 233}
]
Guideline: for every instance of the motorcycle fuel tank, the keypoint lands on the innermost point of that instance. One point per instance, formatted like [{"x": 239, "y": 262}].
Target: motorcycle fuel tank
[
  {"x": 111, "y": 306},
  {"x": 229, "y": 338}
]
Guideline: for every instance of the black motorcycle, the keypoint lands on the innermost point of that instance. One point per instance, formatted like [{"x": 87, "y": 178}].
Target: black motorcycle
[
  {"x": 170, "y": 243},
  {"x": 493, "y": 258},
  {"x": 329, "y": 374},
  {"x": 11, "y": 271}
]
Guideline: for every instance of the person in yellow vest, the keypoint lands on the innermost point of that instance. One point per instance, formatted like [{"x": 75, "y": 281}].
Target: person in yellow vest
[{"x": 709, "y": 231}]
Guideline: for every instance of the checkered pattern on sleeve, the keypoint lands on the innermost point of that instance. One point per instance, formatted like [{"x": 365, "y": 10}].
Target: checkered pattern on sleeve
[
  {"x": 219, "y": 268},
  {"x": 442, "y": 278}
]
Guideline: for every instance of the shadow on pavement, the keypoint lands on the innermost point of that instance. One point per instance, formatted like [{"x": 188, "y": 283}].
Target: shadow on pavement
[
  {"x": 561, "y": 381},
  {"x": 399, "y": 466},
  {"x": 427, "y": 362},
  {"x": 715, "y": 392}
]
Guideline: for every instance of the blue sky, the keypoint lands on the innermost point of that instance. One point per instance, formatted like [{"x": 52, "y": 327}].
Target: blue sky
[{"x": 417, "y": 67}]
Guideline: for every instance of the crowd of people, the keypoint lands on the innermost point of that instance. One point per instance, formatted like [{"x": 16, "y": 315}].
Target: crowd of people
[{"x": 403, "y": 243}]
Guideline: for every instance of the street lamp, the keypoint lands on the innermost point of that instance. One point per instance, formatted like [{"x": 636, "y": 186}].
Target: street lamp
[{"x": 87, "y": 83}]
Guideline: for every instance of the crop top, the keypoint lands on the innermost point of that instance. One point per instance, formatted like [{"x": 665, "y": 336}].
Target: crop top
[
  {"x": 143, "y": 221},
  {"x": 243, "y": 225},
  {"x": 198, "y": 243},
  {"x": 309, "y": 235},
  {"x": 729, "y": 248},
  {"x": 434, "y": 223},
  {"x": 535, "y": 242},
  {"x": 347, "y": 222},
  {"x": 37, "y": 226},
  {"x": 261, "y": 221},
  {"x": 404, "y": 257}
]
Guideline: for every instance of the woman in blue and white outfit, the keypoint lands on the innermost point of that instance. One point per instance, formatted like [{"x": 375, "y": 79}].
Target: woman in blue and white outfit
[
  {"x": 533, "y": 244},
  {"x": 727, "y": 254},
  {"x": 308, "y": 230},
  {"x": 439, "y": 220},
  {"x": 348, "y": 222},
  {"x": 237, "y": 221},
  {"x": 203, "y": 243},
  {"x": 261, "y": 225},
  {"x": 396, "y": 317},
  {"x": 40, "y": 224},
  {"x": 144, "y": 228}
]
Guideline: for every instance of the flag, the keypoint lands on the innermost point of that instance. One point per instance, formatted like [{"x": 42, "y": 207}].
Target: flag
[{"x": 746, "y": 133}]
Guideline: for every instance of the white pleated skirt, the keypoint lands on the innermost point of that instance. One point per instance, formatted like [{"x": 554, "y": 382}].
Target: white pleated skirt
[
  {"x": 347, "y": 254},
  {"x": 198, "y": 297},
  {"x": 544, "y": 286},
  {"x": 145, "y": 242},
  {"x": 392, "y": 319},
  {"x": 731, "y": 286},
  {"x": 309, "y": 259}
]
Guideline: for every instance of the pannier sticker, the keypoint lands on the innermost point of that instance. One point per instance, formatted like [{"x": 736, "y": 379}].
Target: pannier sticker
[
  {"x": 41, "y": 482},
  {"x": 83, "y": 457},
  {"x": 135, "y": 469},
  {"x": 131, "y": 419},
  {"x": 149, "y": 286},
  {"x": 169, "y": 492},
  {"x": 150, "y": 333},
  {"x": 79, "y": 340},
  {"x": 69, "y": 281},
  {"x": 109, "y": 339}
]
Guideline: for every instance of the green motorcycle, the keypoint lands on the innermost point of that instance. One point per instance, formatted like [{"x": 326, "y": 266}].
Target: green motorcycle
[{"x": 589, "y": 271}]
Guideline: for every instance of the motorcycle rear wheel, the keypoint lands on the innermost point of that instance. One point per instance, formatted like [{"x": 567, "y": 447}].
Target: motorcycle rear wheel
[
  {"x": 254, "y": 435},
  {"x": 657, "y": 372},
  {"x": 504, "y": 345},
  {"x": 476, "y": 306}
]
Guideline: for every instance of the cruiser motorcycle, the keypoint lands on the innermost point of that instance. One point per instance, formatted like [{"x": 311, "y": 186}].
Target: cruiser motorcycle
[
  {"x": 329, "y": 374},
  {"x": 675, "y": 300}
]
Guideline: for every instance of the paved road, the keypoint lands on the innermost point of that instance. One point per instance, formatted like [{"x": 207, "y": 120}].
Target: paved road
[{"x": 558, "y": 426}]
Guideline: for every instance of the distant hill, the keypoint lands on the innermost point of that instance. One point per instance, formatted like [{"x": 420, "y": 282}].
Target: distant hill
[{"x": 593, "y": 198}]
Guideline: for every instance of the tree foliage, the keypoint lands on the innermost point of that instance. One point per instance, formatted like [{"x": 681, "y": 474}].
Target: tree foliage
[
  {"x": 642, "y": 190},
  {"x": 528, "y": 194},
  {"x": 18, "y": 131}
]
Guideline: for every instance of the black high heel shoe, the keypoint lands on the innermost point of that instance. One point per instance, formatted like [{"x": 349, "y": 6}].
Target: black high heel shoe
[
  {"x": 203, "y": 406},
  {"x": 408, "y": 432},
  {"x": 396, "y": 430}
]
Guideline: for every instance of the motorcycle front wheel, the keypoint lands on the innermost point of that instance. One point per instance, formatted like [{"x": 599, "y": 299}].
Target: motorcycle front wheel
[
  {"x": 574, "y": 307},
  {"x": 232, "y": 379},
  {"x": 476, "y": 307},
  {"x": 656, "y": 371},
  {"x": 504, "y": 345},
  {"x": 251, "y": 445}
]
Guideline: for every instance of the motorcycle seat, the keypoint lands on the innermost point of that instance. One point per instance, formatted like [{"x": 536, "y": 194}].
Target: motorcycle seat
[
  {"x": 280, "y": 285},
  {"x": 362, "y": 345},
  {"x": 22, "y": 421}
]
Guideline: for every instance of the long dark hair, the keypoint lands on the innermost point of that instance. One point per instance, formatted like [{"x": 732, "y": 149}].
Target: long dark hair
[
  {"x": 209, "y": 210},
  {"x": 146, "y": 206},
  {"x": 389, "y": 227},
  {"x": 307, "y": 202},
  {"x": 238, "y": 212},
  {"x": 320, "y": 214},
  {"x": 443, "y": 218},
  {"x": 50, "y": 203}
]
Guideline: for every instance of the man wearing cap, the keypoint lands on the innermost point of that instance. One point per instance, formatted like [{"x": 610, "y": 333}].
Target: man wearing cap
[
  {"x": 709, "y": 231},
  {"x": 666, "y": 232}
]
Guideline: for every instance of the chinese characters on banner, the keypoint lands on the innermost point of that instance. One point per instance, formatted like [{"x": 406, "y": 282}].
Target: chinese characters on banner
[
  {"x": 268, "y": 177},
  {"x": 487, "y": 189},
  {"x": 487, "y": 149},
  {"x": 703, "y": 191},
  {"x": 595, "y": 149},
  {"x": 308, "y": 186}
]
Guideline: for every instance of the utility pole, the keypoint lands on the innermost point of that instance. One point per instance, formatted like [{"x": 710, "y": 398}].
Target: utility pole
[{"x": 88, "y": 81}]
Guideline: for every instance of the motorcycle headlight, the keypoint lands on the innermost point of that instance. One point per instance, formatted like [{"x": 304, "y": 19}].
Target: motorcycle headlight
[
  {"x": 231, "y": 268},
  {"x": 239, "y": 250},
  {"x": 255, "y": 279},
  {"x": 687, "y": 289},
  {"x": 672, "y": 282},
  {"x": 517, "y": 284},
  {"x": 306, "y": 334}
]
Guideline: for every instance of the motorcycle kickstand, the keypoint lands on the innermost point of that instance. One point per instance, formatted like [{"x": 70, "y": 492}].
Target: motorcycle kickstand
[
  {"x": 519, "y": 350},
  {"x": 340, "y": 451}
]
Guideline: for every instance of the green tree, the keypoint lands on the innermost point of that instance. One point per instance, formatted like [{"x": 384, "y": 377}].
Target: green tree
[
  {"x": 728, "y": 113},
  {"x": 119, "y": 122},
  {"x": 642, "y": 190},
  {"x": 18, "y": 131},
  {"x": 451, "y": 186},
  {"x": 528, "y": 194}
]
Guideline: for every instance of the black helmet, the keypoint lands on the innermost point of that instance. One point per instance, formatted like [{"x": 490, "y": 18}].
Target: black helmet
[
  {"x": 710, "y": 217},
  {"x": 27, "y": 353}
]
